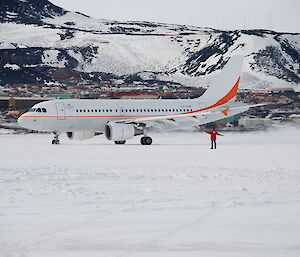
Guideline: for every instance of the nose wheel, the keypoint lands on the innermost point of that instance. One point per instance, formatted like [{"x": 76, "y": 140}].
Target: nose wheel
[
  {"x": 55, "y": 141},
  {"x": 146, "y": 140}
]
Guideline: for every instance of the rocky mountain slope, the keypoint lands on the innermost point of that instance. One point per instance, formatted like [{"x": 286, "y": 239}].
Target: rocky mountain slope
[{"x": 39, "y": 41}]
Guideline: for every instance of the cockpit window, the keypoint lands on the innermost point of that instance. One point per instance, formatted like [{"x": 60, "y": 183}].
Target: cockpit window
[
  {"x": 38, "y": 110},
  {"x": 32, "y": 110},
  {"x": 44, "y": 110}
]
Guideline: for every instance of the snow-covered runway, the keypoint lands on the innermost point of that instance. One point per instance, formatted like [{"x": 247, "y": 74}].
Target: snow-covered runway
[{"x": 173, "y": 198}]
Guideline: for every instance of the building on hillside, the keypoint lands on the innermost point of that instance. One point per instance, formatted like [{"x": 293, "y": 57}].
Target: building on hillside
[{"x": 61, "y": 96}]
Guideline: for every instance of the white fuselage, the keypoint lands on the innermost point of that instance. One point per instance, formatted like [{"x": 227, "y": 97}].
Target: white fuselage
[
  {"x": 124, "y": 119},
  {"x": 93, "y": 115}
]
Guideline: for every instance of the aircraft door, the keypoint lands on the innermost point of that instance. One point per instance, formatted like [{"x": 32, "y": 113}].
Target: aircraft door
[{"x": 61, "y": 111}]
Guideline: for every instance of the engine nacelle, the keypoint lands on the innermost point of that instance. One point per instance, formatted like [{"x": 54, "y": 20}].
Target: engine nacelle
[
  {"x": 119, "y": 132},
  {"x": 80, "y": 135}
]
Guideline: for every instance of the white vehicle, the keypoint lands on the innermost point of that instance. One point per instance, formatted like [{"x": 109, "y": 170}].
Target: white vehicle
[{"x": 121, "y": 120}]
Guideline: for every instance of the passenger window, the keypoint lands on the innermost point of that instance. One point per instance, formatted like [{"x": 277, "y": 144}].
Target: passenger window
[
  {"x": 144, "y": 110},
  {"x": 83, "y": 110},
  {"x": 129, "y": 110},
  {"x": 92, "y": 110},
  {"x": 116, "y": 110},
  {"x": 38, "y": 110}
]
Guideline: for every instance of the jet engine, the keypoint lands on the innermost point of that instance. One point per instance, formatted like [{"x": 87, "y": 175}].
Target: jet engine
[
  {"x": 80, "y": 135},
  {"x": 120, "y": 132}
]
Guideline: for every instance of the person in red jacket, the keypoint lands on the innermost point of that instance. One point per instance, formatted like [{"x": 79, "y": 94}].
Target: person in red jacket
[{"x": 213, "y": 137}]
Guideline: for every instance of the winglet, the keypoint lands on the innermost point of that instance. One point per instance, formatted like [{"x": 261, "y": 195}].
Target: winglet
[{"x": 225, "y": 111}]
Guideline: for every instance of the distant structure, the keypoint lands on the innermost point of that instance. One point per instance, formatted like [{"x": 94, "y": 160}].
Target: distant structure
[{"x": 11, "y": 104}]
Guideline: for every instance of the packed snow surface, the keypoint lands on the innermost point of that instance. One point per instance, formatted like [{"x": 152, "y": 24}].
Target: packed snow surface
[{"x": 174, "y": 198}]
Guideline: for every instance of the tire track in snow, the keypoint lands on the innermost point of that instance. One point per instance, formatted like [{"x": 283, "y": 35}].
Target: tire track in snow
[
  {"x": 171, "y": 232},
  {"x": 19, "y": 251}
]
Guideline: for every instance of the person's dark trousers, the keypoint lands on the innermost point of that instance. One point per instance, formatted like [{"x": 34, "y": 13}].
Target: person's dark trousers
[{"x": 213, "y": 144}]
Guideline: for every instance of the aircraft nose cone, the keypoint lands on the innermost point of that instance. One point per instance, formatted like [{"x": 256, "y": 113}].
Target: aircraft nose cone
[{"x": 22, "y": 122}]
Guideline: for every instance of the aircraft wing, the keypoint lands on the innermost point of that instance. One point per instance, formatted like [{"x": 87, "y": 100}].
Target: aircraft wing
[{"x": 196, "y": 117}]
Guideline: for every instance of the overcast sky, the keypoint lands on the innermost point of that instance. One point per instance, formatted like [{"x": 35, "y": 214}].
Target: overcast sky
[{"x": 278, "y": 15}]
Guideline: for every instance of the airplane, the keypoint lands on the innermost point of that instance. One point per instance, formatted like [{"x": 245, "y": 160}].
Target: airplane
[{"x": 120, "y": 120}]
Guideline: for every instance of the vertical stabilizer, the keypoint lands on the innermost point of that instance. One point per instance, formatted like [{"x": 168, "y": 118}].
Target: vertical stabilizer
[{"x": 224, "y": 87}]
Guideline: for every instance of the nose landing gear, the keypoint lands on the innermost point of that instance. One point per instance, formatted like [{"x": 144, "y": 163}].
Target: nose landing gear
[{"x": 55, "y": 141}]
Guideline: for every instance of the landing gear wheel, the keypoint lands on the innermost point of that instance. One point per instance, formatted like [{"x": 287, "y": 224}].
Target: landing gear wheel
[
  {"x": 146, "y": 140},
  {"x": 55, "y": 141},
  {"x": 120, "y": 142}
]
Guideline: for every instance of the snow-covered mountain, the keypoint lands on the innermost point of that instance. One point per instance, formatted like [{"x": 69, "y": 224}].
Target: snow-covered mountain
[{"x": 39, "y": 39}]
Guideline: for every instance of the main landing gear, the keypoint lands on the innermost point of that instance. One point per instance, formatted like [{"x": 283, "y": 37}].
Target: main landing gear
[
  {"x": 55, "y": 141},
  {"x": 146, "y": 140},
  {"x": 120, "y": 142}
]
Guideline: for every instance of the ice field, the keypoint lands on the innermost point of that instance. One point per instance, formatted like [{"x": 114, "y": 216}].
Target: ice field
[{"x": 175, "y": 198}]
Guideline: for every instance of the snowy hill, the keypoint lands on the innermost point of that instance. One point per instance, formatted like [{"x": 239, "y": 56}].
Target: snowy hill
[{"x": 39, "y": 40}]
